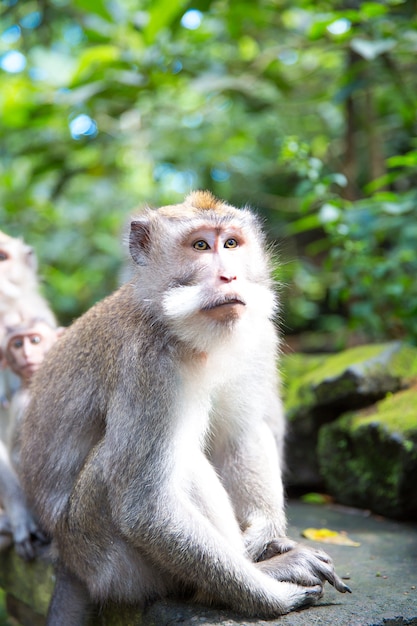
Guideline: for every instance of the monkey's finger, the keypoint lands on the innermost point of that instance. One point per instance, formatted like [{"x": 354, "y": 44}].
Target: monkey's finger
[
  {"x": 39, "y": 537},
  {"x": 330, "y": 575},
  {"x": 25, "y": 550},
  {"x": 312, "y": 594},
  {"x": 323, "y": 556},
  {"x": 340, "y": 585},
  {"x": 276, "y": 546}
]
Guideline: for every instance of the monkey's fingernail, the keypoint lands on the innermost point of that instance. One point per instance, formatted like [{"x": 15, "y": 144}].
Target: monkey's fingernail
[{"x": 346, "y": 588}]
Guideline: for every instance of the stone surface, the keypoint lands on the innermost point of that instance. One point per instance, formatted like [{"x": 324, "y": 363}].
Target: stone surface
[{"x": 382, "y": 574}]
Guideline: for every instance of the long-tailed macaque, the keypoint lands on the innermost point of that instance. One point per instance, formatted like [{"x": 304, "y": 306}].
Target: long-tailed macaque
[
  {"x": 19, "y": 297},
  {"x": 147, "y": 451},
  {"x": 23, "y": 350}
]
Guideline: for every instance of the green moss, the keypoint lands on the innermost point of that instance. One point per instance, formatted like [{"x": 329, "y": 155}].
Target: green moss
[
  {"x": 4, "y": 621},
  {"x": 294, "y": 369},
  {"x": 397, "y": 413},
  {"x": 334, "y": 365},
  {"x": 17, "y": 577},
  {"x": 361, "y": 372},
  {"x": 404, "y": 362},
  {"x": 369, "y": 459}
]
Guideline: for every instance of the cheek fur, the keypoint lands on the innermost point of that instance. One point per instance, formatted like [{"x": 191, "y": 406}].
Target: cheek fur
[{"x": 182, "y": 301}]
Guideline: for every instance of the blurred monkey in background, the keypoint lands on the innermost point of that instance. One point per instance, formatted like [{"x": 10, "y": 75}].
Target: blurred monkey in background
[
  {"x": 19, "y": 298},
  {"x": 22, "y": 350}
]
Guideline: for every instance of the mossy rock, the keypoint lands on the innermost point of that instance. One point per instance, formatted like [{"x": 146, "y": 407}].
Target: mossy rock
[
  {"x": 17, "y": 577},
  {"x": 369, "y": 459},
  {"x": 333, "y": 384},
  {"x": 319, "y": 388}
]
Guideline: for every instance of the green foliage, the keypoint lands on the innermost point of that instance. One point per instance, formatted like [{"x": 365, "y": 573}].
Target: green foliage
[
  {"x": 373, "y": 262},
  {"x": 305, "y": 110}
]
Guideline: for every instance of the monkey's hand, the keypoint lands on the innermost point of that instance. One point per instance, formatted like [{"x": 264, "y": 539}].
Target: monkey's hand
[
  {"x": 299, "y": 564},
  {"x": 27, "y": 537}
]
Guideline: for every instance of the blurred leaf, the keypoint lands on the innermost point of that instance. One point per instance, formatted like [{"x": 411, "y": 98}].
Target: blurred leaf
[
  {"x": 94, "y": 58},
  {"x": 304, "y": 224},
  {"x": 161, "y": 14},
  {"x": 99, "y": 7},
  {"x": 316, "y": 498},
  {"x": 324, "y": 535},
  {"x": 403, "y": 160},
  {"x": 372, "y": 9}
]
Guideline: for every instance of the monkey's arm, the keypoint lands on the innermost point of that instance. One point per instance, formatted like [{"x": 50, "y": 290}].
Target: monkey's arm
[
  {"x": 250, "y": 469},
  {"x": 248, "y": 460},
  {"x": 22, "y": 525}
]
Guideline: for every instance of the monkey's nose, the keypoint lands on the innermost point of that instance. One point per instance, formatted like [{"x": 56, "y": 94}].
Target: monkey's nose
[{"x": 227, "y": 278}]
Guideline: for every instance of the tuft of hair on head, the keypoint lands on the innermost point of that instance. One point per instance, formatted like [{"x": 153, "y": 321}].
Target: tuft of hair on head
[{"x": 204, "y": 201}]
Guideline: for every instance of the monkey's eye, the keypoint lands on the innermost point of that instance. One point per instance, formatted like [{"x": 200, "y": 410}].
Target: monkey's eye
[
  {"x": 17, "y": 343},
  {"x": 35, "y": 339},
  {"x": 201, "y": 245},
  {"x": 231, "y": 243},
  {"x": 3, "y": 255}
]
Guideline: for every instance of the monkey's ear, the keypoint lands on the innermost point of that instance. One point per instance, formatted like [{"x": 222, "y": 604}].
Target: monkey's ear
[
  {"x": 139, "y": 241},
  {"x": 31, "y": 259}
]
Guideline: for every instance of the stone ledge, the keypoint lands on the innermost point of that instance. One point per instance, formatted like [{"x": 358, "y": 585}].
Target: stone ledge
[{"x": 382, "y": 576}]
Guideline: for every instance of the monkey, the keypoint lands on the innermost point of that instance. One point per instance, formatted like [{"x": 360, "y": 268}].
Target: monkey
[
  {"x": 22, "y": 350},
  {"x": 147, "y": 451},
  {"x": 19, "y": 295}
]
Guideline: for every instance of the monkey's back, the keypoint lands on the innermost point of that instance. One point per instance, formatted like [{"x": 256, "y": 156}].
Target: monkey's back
[{"x": 66, "y": 416}]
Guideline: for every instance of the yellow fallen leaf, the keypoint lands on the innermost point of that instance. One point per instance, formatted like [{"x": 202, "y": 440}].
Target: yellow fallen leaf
[{"x": 325, "y": 535}]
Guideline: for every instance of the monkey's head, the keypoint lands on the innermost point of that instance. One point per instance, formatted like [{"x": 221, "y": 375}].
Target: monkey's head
[
  {"x": 202, "y": 264},
  {"x": 25, "y": 345},
  {"x": 18, "y": 265}
]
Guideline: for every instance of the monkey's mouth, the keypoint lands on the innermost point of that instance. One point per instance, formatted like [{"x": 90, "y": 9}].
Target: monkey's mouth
[{"x": 224, "y": 302}]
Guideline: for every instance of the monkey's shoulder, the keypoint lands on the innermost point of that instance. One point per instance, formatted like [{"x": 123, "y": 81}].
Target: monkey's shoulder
[{"x": 116, "y": 329}]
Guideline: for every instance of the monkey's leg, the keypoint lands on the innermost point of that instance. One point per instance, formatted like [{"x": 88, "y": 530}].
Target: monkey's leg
[{"x": 70, "y": 601}]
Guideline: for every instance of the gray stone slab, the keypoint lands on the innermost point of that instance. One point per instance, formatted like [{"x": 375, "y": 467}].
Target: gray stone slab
[{"x": 382, "y": 575}]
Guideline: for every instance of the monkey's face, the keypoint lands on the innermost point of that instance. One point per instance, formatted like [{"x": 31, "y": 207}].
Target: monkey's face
[
  {"x": 26, "y": 348},
  {"x": 218, "y": 286},
  {"x": 216, "y": 255}
]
